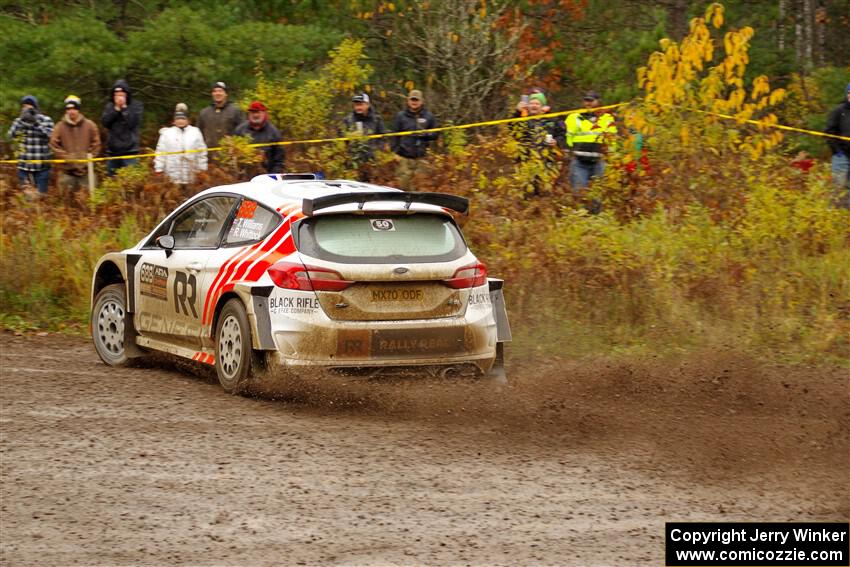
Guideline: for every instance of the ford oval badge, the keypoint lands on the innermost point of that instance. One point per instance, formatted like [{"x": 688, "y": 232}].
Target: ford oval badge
[{"x": 401, "y": 270}]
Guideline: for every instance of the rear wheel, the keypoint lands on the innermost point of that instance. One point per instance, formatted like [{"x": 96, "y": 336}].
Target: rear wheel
[
  {"x": 107, "y": 324},
  {"x": 235, "y": 359}
]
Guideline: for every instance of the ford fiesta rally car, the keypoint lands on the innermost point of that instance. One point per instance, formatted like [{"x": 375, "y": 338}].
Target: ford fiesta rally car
[{"x": 296, "y": 273}]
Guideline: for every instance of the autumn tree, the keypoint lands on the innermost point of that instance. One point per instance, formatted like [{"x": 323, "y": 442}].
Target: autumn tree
[
  {"x": 545, "y": 30},
  {"x": 689, "y": 84},
  {"x": 455, "y": 51}
]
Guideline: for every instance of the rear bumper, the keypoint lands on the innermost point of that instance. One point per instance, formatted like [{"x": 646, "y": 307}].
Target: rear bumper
[
  {"x": 298, "y": 333},
  {"x": 396, "y": 343}
]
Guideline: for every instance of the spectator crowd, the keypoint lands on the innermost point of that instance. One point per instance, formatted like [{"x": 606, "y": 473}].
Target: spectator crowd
[{"x": 544, "y": 143}]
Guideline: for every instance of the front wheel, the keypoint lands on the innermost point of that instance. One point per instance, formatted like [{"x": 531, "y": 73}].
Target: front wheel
[
  {"x": 108, "y": 318},
  {"x": 235, "y": 359}
]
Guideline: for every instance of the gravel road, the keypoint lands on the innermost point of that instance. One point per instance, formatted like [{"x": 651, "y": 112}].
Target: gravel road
[{"x": 573, "y": 463}]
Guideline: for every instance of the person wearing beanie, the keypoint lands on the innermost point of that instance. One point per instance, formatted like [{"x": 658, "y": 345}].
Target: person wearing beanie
[
  {"x": 262, "y": 131},
  {"x": 181, "y": 168},
  {"x": 414, "y": 147},
  {"x": 362, "y": 121},
  {"x": 838, "y": 124},
  {"x": 74, "y": 137},
  {"x": 589, "y": 132},
  {"x": 122, "y": 117},
  {"x": 541, "y": 141},
  {"x": 30, "y": 133},
  {"x": 221, "y": 117},
  {"x": 538, "y": 90}
]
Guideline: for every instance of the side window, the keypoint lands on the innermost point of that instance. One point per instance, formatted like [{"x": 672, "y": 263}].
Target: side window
[
  {"x": 200, "y": 225},
  {"x": 251, "y": 223}
]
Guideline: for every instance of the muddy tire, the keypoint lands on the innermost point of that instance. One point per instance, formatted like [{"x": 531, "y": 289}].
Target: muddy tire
[
  {"x": 235, "y": 360},
  {"x": 108, "y": 318}
]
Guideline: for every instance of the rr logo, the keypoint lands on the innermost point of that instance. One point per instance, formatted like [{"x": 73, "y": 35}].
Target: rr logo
[{"x": 185, "y": 290}]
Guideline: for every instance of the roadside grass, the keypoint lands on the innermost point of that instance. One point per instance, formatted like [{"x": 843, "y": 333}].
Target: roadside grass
[{"x": 46, "y": 265}]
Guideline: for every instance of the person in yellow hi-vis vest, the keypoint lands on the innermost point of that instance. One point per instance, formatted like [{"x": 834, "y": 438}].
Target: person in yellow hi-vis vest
[{"x": 588, "y": 132}]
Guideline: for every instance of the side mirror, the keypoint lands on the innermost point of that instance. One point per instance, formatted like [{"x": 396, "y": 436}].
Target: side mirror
[{"x": 166, "y": 242}]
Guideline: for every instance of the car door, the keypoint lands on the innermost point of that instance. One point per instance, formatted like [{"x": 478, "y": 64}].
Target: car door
[
  {"x": 168, "y": 291},
  {"x": 242, "y": 256}
]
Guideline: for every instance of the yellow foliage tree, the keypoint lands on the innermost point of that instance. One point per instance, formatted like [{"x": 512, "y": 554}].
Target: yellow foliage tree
[
  {"x": 689, "y": 84},
  {"x": 305, "y": 110}
]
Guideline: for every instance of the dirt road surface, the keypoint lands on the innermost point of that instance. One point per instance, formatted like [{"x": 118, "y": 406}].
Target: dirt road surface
[{"x": 573, "y": 463}]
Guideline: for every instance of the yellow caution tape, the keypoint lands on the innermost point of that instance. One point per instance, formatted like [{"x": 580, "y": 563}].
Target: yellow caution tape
[
  {"x": 430, "y": 130},
  {"x": 777, "y": 126}
]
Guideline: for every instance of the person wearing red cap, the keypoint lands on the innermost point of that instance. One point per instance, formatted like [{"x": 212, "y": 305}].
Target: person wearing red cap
[{"x": 261, "y": 131}]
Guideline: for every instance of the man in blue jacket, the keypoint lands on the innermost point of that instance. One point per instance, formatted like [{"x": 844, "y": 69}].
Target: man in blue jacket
[{"x": 122, "y": 117}]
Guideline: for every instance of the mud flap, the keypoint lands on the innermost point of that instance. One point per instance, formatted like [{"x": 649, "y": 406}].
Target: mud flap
[
  {"x": 500, "y": 312},
  {"x": 497, "y": 374},
  {"x": 260, "y": 313},
  {"x": 131, "y": 348}
]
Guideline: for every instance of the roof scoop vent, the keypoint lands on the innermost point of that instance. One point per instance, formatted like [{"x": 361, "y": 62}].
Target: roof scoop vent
[{"x": 289, "y": 177}]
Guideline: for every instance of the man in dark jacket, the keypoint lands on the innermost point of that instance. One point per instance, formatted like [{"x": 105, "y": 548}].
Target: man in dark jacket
[
  {"x": 838, "y": 124},
  {"x": 220, "y": 118},
  {"x": 363, "y": 121},
  {"x": 414, "y": 147},
  {"x": 122, "y": 117},
  {"x": 262, "y": 131},
  {"x": 414, "y": 117}
]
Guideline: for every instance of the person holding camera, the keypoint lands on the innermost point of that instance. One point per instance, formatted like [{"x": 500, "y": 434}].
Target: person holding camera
[
  {"x": 541, "y": 135},
  {"x": 31, "y": 130},
  {"x": 540, "y": 142},
  {"x": 122, "y": 117},
  {"x": 362, "y": 121}
]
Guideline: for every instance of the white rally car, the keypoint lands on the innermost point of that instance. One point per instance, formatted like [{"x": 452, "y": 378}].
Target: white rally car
[{"x": 296, "y": 273}]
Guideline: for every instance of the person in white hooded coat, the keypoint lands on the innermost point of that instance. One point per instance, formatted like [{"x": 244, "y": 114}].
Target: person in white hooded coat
[{"x": 181, "y": 168}]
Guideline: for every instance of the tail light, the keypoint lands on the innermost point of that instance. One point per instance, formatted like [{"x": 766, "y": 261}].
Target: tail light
[
  {"x": 294, "y": 275},
  {"x": 472, "y": 275}
]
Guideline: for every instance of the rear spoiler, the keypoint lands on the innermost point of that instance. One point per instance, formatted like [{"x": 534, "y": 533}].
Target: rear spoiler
[{"x": 453, "y": 202}]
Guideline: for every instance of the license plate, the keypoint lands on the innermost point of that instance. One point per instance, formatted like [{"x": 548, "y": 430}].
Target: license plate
[{"x": 396, "y": 295}]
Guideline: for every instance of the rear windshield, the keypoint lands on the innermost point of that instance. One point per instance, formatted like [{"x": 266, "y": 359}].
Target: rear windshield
[{"x": 381, "y": 239}]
